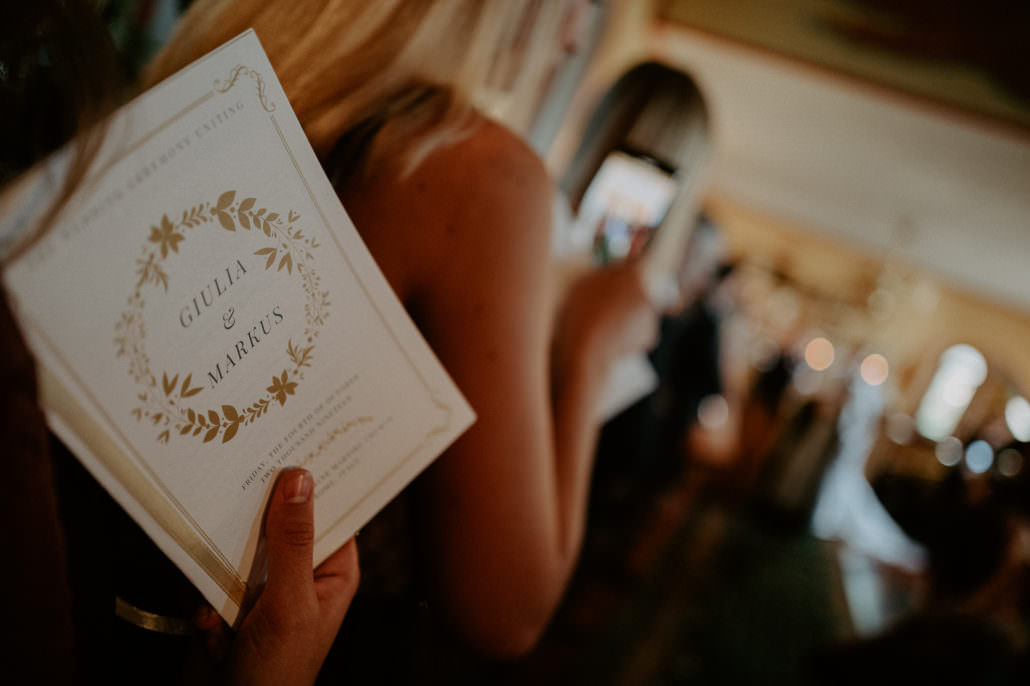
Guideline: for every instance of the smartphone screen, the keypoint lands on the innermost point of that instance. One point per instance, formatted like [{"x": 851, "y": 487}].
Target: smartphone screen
[{"x": 624, "y": 204}]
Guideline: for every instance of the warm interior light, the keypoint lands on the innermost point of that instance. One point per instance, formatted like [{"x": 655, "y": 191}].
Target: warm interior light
[
  {"x": 875, "y": 369},
  {"x": 819, "y": 354},
  {"x": 1017, "y": 416},
  {"x": 961, "y": 371}
]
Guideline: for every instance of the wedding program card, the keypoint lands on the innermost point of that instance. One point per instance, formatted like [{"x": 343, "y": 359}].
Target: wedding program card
[{"x": 204, "y": 315}]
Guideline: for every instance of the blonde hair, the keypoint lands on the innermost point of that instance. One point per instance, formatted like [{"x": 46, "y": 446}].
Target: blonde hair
[{"x": 406, "y": 73}]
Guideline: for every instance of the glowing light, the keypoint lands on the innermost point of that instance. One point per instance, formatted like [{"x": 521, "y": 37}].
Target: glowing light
[
  {"x": 819, "y": 354},
  {"x": 958, "y": 393},
  {"x": 961, "y": 371},
  {"x": 979, "y": 457},
  {"x": 1010, "y": 462},
  {"x": 874, "y": 369},
  {"x": 713, "y": 412},
  {"x": 900, "y": 428},
  {"x": 1017, "y": 416},
  {"x": 949, "y": 451}
]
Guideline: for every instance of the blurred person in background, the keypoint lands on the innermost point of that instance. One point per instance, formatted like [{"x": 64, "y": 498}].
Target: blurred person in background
[{"x": 645, "y": 447}]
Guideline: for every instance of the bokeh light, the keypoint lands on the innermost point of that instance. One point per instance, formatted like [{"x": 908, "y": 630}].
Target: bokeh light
[
  {"x": 961, "y": 371},
  {"x": 713, "y": 412},
  {"x": 979, "y": 457},
  {"x": 1017, "y": 416},
  {"x": 874, "y": 369},
  {"x": 1010, "y": 462},
  {"x": 819, "y": 354},
  {"x": 949, "y": 451}
]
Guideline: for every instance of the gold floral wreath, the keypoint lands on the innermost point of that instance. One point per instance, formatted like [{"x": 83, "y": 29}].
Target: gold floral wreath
[{"x": 164, "y": 403}]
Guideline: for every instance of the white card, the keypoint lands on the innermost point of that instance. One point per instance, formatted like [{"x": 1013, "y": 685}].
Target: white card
[{"x": 204, "y": 314}]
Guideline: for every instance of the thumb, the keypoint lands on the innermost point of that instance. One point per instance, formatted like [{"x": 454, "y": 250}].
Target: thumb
[{"x": 290, "y": 535}]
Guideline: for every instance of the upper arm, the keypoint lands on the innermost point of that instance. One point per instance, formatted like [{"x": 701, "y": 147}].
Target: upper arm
[{"x": 472, "y": 265}]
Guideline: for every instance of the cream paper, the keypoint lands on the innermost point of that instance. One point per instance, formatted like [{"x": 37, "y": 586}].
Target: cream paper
[{"x": 205, "y": 314}]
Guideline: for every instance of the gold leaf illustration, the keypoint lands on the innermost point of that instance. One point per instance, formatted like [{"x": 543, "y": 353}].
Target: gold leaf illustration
[
  {"x": 160, "y": 277},
  {"x": 299, "y": 356},
  {"x": 188, "y": 392},
  {"x": 226, "y": 221},
  {"x": 225, "y": 199},
  {"x": 280, "y": 388},
  {"x": 292, "y": 248},
  {"x": 271, "y": 252},
  {"x": 166, "y": 236},
  {"x": 169, "y": 386},
  {"x": 230, "y": 432}
]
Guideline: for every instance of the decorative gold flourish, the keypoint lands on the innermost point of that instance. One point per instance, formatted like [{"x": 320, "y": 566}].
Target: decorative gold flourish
[
  {"x": 301, "y": 357},
  {"x": 281, "y": 387},
  {"x": 166, "y": 236},
  {"x": 166, "y": 403},
  {"x": 240, "y": 70},
  {"x": 336, "y": 432}
]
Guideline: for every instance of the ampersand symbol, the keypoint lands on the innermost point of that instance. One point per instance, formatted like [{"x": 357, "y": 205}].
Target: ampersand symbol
[{"x": 229, "y": 318}]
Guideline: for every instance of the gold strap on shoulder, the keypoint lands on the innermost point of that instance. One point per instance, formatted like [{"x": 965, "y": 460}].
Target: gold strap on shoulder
[{"x": 151, "y": 621}]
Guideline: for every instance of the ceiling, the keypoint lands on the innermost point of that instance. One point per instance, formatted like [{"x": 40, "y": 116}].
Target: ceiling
[{"x": 883, "y": 171}]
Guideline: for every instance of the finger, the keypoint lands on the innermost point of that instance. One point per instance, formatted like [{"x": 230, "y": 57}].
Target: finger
[
  {"x": 344, "y": 562},
  {"x": 217, "y": 642},
  {"x": 336, "y": 579},
  {"x": 206, "y": 618},
  {"x": 290, "y": 535}
]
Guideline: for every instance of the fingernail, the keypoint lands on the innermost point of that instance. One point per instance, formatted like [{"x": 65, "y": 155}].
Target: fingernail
[{"x": 298, "y": 486}]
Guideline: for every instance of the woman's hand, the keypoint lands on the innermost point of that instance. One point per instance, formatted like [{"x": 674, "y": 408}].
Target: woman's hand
[
  {"x": 288, "y": 632},
  {"x": 605, "y": 315}
]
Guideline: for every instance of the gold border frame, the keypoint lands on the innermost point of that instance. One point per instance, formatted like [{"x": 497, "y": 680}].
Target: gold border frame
[{"x": 133, "y": 473}]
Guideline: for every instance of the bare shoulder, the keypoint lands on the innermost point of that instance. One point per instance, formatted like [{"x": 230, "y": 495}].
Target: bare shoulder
[
  {"x": 484, "y": 200},
  {"x": 489, "y": 186},
  {"x": 492, "y": 159}
]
